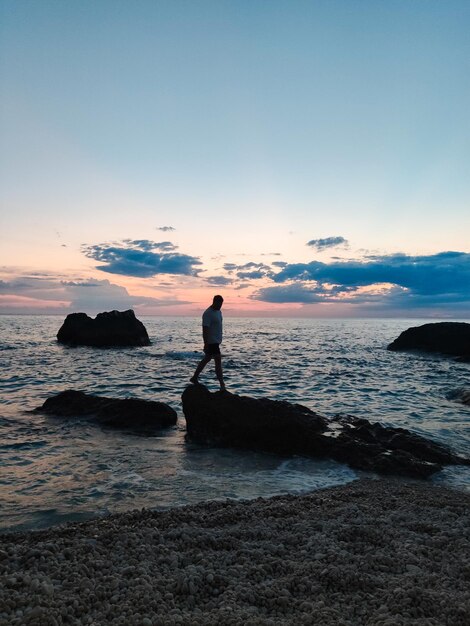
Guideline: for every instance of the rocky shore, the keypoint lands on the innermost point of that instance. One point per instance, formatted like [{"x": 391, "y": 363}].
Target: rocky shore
[
  {"x": 224, "y": 419},
  {"x": 375, "y": 552}
]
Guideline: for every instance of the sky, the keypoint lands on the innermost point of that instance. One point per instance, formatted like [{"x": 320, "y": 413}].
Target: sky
[{"x": 302, "y": 158}]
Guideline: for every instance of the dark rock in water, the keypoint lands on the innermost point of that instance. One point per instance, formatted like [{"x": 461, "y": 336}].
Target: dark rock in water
[
  {"x": 227, "y": 420},
  {"x": 460, "y": 395},
  {"x": 445, "y": 337},
  {"x": 113, "y": 412},
  {"x": 241, "y": 421},
  {"x": 114, "y": 328}
]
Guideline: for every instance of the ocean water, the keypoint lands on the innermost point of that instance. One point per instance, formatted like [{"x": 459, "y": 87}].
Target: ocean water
[{"x": 54, "y": 470}]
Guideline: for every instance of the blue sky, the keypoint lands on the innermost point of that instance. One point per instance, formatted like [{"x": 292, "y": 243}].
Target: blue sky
[{"x": 248, "y": 128}]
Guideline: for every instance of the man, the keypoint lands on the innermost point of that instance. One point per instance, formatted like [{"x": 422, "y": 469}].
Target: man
[{"x": 212, "y": 336}]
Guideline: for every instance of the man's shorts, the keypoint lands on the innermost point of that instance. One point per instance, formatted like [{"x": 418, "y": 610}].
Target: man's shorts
[{"x": 211, "y": 349}]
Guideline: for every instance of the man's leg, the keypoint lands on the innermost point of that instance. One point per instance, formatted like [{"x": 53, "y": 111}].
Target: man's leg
[
  {"x": 202, "y": 364},
  {"x": 218, "y": 370}
]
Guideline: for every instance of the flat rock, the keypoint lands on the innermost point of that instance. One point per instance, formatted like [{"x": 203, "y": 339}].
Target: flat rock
[
  {"x": 129, "y": 413},
  {"x": 228, "y": 420},
  {"x": 113, "y": 328},
  {"x": 445, "y": 337}
]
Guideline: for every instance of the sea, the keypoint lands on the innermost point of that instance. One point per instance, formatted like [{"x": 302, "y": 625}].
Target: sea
[{"x": 56, "y": 470}]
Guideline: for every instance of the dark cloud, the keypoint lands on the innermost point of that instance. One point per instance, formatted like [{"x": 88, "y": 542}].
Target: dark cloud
[
  {"x": 271, "y": 254},
  {"x": 147, "y": 245},
  {"x": 248, "y": 271},
  {"x": 444, "y": 272},
  {"x": 251, "y": 275},
  {"x": 142, "y": 258},
  {"x": 166, "y": 229},
  {"x": 218, "y": 280},
  {"x": 251, "y": 265},
  {"x": 441, "y": 279},
  {"x": 396, "y": 301},
  {"x": 328, "y": 242},
  {"x": 279, "y": 263}
]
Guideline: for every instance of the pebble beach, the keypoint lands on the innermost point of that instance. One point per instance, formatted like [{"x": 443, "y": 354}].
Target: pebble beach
[{"x": 376, "y": 552}]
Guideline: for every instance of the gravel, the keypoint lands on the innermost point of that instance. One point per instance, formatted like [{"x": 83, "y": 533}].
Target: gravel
[{"x": 373, "y": 552}]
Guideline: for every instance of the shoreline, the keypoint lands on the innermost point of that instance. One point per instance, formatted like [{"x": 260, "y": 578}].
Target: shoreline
[{"x": 378, "y": 552}]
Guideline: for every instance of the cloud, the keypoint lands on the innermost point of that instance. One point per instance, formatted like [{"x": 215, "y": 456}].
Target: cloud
[
  {"x": 218, "y": 280},
  {"x": 439, "y": 273},
  {"x": 166, "y": 229},
  {"x": 251, "y": 265},
  {"x": 279, "y": 263},
  {"x": 288, "y": 293},
  {"x": 248, "y": 271},
  {"x": 89, "y": 295},
  {"x": 147, "y": 245},
  {"x": 251, "y": 275},
  {"x": 142, "y": 258},
  {"x": 397, "y": 280},
  {"x": 328, "y": 242}
]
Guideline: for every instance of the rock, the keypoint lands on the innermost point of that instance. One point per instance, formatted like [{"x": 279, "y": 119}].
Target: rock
[
  {"x": 446, "y": 337},
  {"x": 114, "y": 328},
  {"x": 460, "y": 395},
  {"x": 113, "y": 412},
  {"x": 227, "y": 420},
  {"x": 246, "y": 422}
]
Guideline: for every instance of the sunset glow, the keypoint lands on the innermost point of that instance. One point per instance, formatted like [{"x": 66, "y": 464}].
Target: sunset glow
[{"x": 303, "y": 159}]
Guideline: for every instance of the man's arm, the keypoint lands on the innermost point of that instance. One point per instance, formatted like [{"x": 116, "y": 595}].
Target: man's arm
[{"x": 205, "y": 334}]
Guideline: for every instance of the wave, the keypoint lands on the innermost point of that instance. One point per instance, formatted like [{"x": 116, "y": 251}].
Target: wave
[
  {"x": 24, "y": 445},
  {"x": 181, "y": 355}
]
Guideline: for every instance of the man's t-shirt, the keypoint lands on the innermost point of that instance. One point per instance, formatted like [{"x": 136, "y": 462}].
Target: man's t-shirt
[{"x": 212, "y": 319}]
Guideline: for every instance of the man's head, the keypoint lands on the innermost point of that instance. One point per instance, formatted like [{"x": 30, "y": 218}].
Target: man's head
[{"x": 217, "y": 302}]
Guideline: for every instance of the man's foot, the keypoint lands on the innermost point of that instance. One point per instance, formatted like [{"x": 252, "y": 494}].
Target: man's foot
[
  {"x": 194, "y": 380},
  {"x": 223, "y": 388}
]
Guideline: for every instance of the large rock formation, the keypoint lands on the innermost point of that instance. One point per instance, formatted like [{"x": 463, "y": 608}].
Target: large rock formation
[
  {"x": 114, "y": 328},
  {"x": 227, "y": 420},
  {"x": 445, "y": 337},
  {"x": 113, "y": 412}
]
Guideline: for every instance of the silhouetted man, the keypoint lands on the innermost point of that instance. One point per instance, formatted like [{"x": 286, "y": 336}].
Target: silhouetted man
[{"x": 212, "y": 336}]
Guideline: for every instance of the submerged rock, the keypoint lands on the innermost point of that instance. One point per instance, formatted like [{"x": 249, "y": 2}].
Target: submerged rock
[
  {"x": 114, "y": 328},
  {"x": 460, "y": 395},
  {"x": 113, "y": 412},
  {"x": 227, "y": 420},
  {"x": 446, "y": 337}
]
